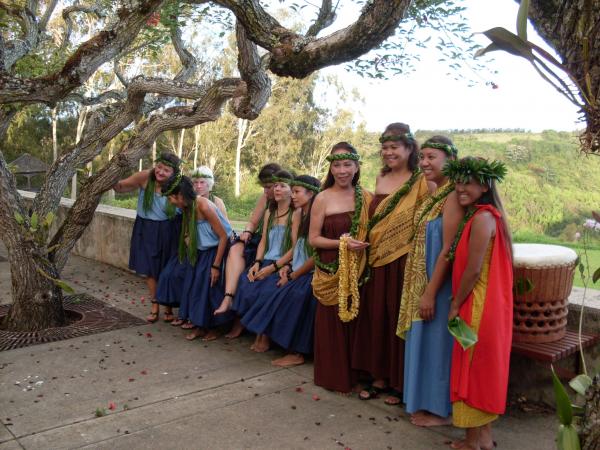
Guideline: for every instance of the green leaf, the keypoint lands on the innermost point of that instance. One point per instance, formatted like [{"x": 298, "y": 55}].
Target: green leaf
[
  {"x": 596, "y": 275},
  {"x": 523, "y": 286},
  {"x": 64, "y": 286},
  {"x": 580, "y": 383},
  {"x": 567, "y": 438},
  {"x": 563, "y": 404},
  {"x": 49, "y": 219},
  {"x": 522, "y": 19},
  {"x": 463, "y": 334},
  {"x": 34, "y": 221},
  {"x": 509, "y": 42},
  {"x": 490, "y": 48},
  {"x": 19, "y": 218}
]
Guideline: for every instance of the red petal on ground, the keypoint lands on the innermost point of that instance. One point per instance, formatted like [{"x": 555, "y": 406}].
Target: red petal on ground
[
  {"x": 144, "y": 372},
  {"x": 131, "y": 379},
  {"x": 316, "y": 398},
  {"x": 112, "y": 406},
  {"x": 148, "y": 335},
  {"x": 299, "y": 389}
]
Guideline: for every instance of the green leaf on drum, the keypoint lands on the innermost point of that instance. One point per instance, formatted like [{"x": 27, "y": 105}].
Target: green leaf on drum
[{"x": 523, "y": 286}]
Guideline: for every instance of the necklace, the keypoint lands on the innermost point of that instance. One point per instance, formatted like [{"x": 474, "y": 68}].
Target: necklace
[
  {"x": 279, "y": 216},
  {"x": 459, "y": 232}
]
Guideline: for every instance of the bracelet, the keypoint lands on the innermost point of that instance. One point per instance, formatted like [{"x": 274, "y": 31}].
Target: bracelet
[
  {"x": 289, "y": 276},
  {"x": 259, "y": 261},
  {"x": 214, "y": 266},
  {"x": 274, "y": 264}
]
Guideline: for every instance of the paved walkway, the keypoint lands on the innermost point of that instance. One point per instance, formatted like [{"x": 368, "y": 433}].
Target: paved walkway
[{"x": 168, "y": 393}]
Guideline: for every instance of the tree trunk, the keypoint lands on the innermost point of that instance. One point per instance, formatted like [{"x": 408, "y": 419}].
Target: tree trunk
[
  {"x": 80, "y": 126},
  {"x": 590, "y": 425},
  {"x": 242, "y": 125},
  {"x": 37, "y": 302},
  {"x": 54, "y": 138},
  {"x": 196, "y": 145},
  {"x": 180, "y": 145}
]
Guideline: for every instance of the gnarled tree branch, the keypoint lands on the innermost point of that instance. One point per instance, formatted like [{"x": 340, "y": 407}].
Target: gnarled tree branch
[
  {"x": 90, "y": 55},
  {"x": 325, "y": 18}
]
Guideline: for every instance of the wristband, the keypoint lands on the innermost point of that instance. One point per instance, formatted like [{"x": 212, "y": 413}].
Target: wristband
[
  {"x": 289, "y": 276},
  {"x": 259, "y": 261},
  {"x": 214, "y": 266},
  {"x": 274, "y": 264}
]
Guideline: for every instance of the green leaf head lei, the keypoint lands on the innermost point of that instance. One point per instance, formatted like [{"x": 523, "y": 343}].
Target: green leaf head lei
[
  {"x": 396, "y": 137},
  {"x": 342, "y": 156},
  {"x": 478, "y": 169},
  {"x": 450, "y": 150},
  {"x": 310, "y": 187}
]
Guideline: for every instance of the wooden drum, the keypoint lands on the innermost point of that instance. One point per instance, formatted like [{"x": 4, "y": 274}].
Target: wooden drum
[{"x": 543, "y": 278}]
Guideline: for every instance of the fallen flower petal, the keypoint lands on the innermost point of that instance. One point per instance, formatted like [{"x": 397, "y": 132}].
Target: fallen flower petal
[
  {"x": 112, "y": 406},
  {"x": 316, "y": 398}
]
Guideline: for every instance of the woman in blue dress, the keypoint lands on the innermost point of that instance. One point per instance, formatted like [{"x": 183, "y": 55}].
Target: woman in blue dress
[
  {"x": 242, "y": 252},
  {"x": 154, "y": 236},
  {"x": 274, "y": 251},
  {"x": 202, "y": 245},
  {"x": 426, "y": 296},
  {"x": 287, "y": 316}
]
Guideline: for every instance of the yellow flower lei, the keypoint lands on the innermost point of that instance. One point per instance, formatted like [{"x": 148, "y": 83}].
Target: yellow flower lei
[{"x": 348, "y": 285}]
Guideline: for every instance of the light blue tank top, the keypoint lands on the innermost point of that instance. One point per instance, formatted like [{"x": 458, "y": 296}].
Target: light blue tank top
[
  {"x": 300, "y": 255},
  {"x": 207, "y": 238},
  {"x": 157, "y": 211},
  {"x": 275, "y": 240}
]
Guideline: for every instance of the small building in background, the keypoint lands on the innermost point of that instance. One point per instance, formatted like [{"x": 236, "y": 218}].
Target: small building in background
[{"x": 27, "y": 166}]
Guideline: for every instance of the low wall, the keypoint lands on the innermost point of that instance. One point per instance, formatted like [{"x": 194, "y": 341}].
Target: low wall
[{"x": 107, "y": 237}]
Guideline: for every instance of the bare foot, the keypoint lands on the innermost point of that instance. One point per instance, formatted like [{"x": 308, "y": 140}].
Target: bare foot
[
  {"x": 462, "y": 444},
  {"x": 289, "y": 360},
  {"x": 196, "y": 333},
  {"x": 188, "y": 326},
  {"x": 224, "y": 306},
  {"x": 177, "y": 323},
  {"x": 262, "y": 345},
  {"x": 425, "y": 419},
  {"x": 210, "y": 336},
  {"x": 236, "y": 330}
]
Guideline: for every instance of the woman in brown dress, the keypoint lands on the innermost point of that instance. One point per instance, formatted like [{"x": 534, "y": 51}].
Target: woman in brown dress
[
  {"x": 339, "y": 215},
  {"x": 400, "y": 189}
]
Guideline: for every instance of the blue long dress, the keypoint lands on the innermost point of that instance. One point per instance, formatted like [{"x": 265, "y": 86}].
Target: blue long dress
[
  {"x": 248, "y": 291},
  {"x": 428, "y": 350},
  {"x": 287, "y": 316},
  {"x": 154, "y": 237}
]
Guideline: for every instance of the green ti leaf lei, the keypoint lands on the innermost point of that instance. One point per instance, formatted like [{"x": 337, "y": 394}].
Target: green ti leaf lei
[
  {"x": 432, "y": 202},
  {"x": 479, "y": 169},
  {"x": 332, "y": 267},
  {"x": 149, "y": 198},
  {"x": 188, "y": 229},
  {"x": 459, "y": 232},
  {"x": 405, "y": 189},
  {"x": 341, "y": 156}
]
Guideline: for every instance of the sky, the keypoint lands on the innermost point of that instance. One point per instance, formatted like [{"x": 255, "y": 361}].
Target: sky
[{"x": 429, "y": 99}]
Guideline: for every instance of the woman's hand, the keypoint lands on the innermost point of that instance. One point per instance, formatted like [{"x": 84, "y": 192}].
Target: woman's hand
[
  {"x": 283, "y": 275},
  {"x": 214, "y": 276},
  {"x": 245, "y": 237},
  {"x": 265, "y": 272},
  {"x": 356, "y": 245},
  {"x": 427, "y": 306},
  {"x": 454, "y": 309},
  {"x": 253, "y": 271}
]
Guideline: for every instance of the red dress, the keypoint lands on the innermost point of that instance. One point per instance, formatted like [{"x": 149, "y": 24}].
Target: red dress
[
  {"x": 333, "y": 338},
  {"x": 377, "y": 349},
  {"x": 481, "y": 380}
]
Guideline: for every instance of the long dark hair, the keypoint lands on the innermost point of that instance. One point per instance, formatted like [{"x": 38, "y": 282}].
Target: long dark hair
[
  {"x": 305, "y": 223},
  {"x": 287, "y": 236},
  {"x": 267, "y": 171},
  {"x": 492, "y": 197},
  {"x": 402, "y": 130},
  {"x": 329, "y": 180}
]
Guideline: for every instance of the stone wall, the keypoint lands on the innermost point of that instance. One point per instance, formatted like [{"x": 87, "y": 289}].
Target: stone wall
[{"x": 107, "y": 238}]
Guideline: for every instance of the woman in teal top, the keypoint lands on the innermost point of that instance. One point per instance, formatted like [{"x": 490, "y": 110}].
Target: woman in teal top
[{"x": 155, "y": 230}]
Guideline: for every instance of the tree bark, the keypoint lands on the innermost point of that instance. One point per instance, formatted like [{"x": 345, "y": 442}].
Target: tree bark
[
  {"x": 590, "y": 425},
  {"x": 570, "y": 27}
]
